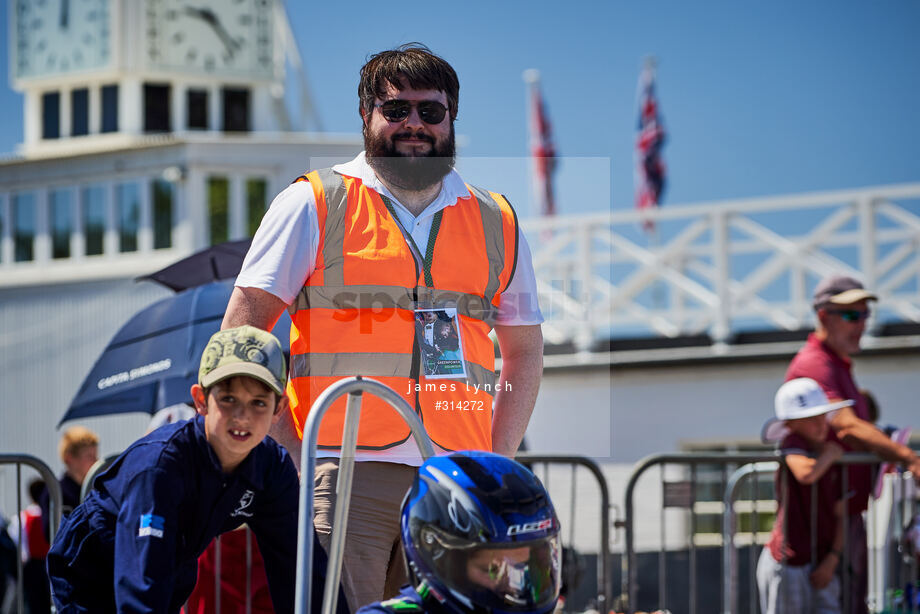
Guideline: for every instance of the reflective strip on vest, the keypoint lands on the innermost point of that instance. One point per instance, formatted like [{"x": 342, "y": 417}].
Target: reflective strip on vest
[
  {"x": 355, "y": 314},
  {"x": 334, "y": 229},
  {"x": 376, "y": 364},
  {"x": 495, "y": 244},
  {"x": 368, "y": 296}
]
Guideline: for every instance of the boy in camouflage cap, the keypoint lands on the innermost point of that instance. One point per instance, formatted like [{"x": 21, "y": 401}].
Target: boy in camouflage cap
[{"x": 134, "y": 542}]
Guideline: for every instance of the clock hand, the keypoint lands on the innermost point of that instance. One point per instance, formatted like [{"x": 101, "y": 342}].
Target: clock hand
[
  {"x": 208, "y": 16},
  {"x": 229, "y": 42}
]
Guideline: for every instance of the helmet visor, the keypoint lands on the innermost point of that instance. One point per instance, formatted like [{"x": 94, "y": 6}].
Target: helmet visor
[{"x": 515, "y": 577}]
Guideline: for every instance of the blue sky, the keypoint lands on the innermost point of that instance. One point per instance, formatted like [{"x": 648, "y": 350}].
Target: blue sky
[{"x": 758, "y": 98}]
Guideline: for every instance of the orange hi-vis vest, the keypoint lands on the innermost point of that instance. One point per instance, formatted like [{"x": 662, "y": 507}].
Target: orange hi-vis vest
[{"x": 355, "y": 314}]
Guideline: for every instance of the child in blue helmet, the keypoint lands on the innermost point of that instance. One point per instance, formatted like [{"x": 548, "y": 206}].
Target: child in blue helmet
[
  {"x": 480, "y": 535},
  {"x": 133, "y": 544}
]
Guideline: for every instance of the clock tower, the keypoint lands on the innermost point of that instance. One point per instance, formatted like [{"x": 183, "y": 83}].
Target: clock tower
[
  {"x": 152, "y": 129},
  {"x": 97, "y": 72}
]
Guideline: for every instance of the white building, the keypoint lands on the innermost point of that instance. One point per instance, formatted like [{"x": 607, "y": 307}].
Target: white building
[{"x": 150, "y": 131}]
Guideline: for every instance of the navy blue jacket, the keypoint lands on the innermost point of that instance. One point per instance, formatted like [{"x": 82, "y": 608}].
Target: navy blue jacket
[{"x": 133, "y": 544}]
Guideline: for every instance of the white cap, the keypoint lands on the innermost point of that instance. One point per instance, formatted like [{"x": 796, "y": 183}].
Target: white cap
[{"x": 797, "y": 398}]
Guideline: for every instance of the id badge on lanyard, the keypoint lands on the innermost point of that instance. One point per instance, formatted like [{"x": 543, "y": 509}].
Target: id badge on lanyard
[{"x": 438, "y": 335}]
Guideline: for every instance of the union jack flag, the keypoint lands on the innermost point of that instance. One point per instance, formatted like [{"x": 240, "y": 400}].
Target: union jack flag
[
  {"x": 650, "y": 167},
  {"x": 541, "y": 147}
]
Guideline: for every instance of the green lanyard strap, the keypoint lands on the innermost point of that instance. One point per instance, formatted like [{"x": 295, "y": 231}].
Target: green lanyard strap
[{"x": 432, "y": 235}]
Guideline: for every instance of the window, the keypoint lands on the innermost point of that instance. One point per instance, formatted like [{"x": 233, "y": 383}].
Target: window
[
  {"x": 51, "y": 115},
  {"x": 197, "y": 105},
  {"x": 128, "y": 216},
  {"x": 109, "y": 118},
  {"x": 93, "y": 200},
  {"x": 156, "y": 108},
  {"x": 256, "y": 191},
  {"x": 61, "y": 220},
  {"x": 218, "y": 205},
  {"x": 23, "y": 227},
  {"x": 236, "y": 109},
  {"x": 79, "y": 112},
  {"x": 162, "y": 213}
]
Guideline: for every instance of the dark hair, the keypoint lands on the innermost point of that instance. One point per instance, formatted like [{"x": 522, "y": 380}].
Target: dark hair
[
  {"x": 413, "y": 62},
  {"x": 36, "y": 489}
]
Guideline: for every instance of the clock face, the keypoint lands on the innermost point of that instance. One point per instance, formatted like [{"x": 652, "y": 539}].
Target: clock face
[
  {"x": 55, "y": 37},
  {"x": 210, "y": 36}
]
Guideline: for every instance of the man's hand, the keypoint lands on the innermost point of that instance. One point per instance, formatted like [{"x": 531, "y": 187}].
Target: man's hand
[
  {"x": 824, "y": 573},
  {"x": 522, "y": 367},
  {"x": 914, "y": 468},
  {"x": 285, "y": 433}
]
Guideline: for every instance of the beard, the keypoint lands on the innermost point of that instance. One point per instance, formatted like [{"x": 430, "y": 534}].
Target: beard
[{"x": 410, "y": 172}]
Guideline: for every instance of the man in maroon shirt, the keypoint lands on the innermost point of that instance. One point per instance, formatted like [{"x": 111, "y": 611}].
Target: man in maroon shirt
[{"x": 842, "y": 307}]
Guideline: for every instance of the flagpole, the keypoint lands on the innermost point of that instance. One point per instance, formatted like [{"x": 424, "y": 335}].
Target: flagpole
[
  {"x": 531, "y": 77},
  {"x": 542, "y": 151},
  {"x": 658, "y": 293}
]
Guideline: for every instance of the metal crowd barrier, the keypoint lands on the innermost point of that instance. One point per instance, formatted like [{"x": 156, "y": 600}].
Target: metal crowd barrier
[
  {"x": 56, "y": 502},
  {"x": 683, "y": 495},
  {"x": 604, "y": 579},
  {"x": 730, "y": 588},
  {"x": 729, "y": 560},
  {"x": 248, "y": 596},
  {"x": 354, "y": 387},
  {"x": 629, "y": 577}
]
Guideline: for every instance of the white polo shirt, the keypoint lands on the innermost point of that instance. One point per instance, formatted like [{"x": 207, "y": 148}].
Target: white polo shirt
[{"x": 284, "y": 250}]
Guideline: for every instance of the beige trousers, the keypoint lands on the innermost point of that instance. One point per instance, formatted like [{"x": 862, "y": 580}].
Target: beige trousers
[{"x": 373, "y": 567}]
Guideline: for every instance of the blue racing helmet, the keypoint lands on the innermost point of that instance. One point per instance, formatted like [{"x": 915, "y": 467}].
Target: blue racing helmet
[{"x": 480, "y": 531}]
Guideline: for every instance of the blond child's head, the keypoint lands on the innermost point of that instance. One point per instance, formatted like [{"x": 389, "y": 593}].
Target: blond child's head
[{"x": 79, "y": 449}]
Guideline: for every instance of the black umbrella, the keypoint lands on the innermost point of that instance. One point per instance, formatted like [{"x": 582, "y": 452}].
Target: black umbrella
[
  {"x": 152, "y": 361},
  {"x": 221, "y": 261}
]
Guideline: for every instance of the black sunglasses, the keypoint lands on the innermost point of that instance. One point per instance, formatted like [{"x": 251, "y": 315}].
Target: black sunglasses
[
  {"x": 851, "y": 315},
  {"x": 430, "y": 111}
]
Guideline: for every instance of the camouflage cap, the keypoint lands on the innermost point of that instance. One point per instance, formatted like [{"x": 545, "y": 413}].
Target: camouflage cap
[{"x": 244, "y": 350}]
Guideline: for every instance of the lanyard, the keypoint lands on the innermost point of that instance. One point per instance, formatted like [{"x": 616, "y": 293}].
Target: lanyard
[{"x": 432, "y": 235}]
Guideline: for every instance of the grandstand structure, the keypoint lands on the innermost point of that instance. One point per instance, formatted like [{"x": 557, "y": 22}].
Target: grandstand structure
[{"x": 723, "y": 279}]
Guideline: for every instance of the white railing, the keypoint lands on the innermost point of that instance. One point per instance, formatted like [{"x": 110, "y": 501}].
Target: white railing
[{"x": 721, "y": 268}]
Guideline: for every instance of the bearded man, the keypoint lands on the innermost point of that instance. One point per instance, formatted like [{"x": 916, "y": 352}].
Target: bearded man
[{"x": 358, "y": 254}]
